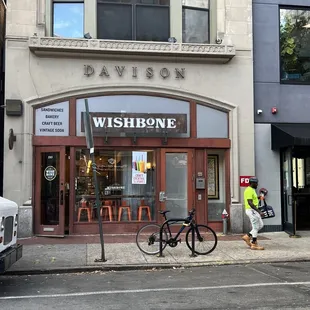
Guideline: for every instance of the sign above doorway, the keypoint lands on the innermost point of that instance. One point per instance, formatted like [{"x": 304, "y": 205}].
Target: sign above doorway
[
  {"x": 136, "y": 123},
  {"x": 135, "y": 72}
]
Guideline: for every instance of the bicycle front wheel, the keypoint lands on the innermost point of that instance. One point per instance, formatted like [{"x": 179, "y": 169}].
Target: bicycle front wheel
[
  {"x": 148, "y": 238},
  {"x": 205, "y": 239}
]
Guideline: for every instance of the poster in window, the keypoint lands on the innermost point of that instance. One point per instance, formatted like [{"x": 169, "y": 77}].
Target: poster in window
[
  {"x": 213, "y": 184},
  {"x": 139, "y": 169}
]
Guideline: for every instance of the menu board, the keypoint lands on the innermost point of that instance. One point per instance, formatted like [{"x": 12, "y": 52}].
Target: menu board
[
  {"x": 139, "y": 160},
  {"x": 53, "y": 120}
]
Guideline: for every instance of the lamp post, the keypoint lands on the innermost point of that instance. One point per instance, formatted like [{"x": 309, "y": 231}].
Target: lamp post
[{"x": 90, "y": 146}]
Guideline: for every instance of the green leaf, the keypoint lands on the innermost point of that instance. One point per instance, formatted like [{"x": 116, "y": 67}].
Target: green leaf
[
  {"x": 289, "y": 51},
  {"x": 290, "y": 41}
]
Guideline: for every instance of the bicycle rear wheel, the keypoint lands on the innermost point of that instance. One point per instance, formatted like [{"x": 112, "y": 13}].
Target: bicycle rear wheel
[
  {"x": 205, "y": 239},
  {"x": 148, "y": 237}
]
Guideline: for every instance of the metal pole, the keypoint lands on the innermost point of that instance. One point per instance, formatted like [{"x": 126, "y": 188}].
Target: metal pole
[
  {"x": 225, "y": 226},
  {"x": 294, "y": 224},
  {"x": 193, "y": 242},
  {"x": 90, "y": 142},
  {"x": 161, "y": 240},
  {"x": 94, "y": 166}
]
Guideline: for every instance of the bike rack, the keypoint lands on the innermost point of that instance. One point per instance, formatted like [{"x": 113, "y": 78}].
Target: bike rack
[{"x": 161, "y": 237}]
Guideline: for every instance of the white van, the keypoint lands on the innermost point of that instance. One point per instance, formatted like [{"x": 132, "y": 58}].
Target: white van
[{"x": 10, "y": 251}]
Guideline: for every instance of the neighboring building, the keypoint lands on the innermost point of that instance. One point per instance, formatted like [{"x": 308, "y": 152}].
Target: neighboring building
[
  {"x": 1, "y": 143},
  {"x": 173, "y": 121},
  {"x": 2, "y": 104},
  {"x": 282, "y": 123}
]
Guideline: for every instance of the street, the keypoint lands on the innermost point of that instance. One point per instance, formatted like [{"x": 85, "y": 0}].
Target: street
[{"x": 265, "y": 286}]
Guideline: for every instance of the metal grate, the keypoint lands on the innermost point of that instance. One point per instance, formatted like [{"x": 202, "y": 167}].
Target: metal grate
[{"x": 8, "y": 230}]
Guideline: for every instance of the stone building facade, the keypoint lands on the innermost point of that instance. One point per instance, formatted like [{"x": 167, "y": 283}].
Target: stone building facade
[{"x": 171, "y": 106}]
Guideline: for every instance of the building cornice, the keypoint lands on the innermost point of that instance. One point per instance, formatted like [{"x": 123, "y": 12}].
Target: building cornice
[{"x": 202, "y": 52}]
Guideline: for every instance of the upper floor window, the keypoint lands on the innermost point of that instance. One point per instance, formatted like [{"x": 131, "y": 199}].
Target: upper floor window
[
  {"x": 196, "y": 21},
  {"x": 295, "y": 45},
  {"x": 68, "y": 19},
  {"x": 141, "y": 20}
]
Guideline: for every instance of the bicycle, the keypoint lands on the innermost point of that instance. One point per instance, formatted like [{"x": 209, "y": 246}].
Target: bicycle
[{"x": 149, "y": 235}]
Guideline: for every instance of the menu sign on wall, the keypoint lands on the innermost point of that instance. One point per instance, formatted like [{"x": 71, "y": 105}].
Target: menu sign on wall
[
  {"x": 147, "y": 123},
  {"x": 53, "y": 120},
  {"x": 139, "y": 169}
]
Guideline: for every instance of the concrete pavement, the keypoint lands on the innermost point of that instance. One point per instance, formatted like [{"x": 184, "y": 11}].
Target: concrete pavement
[{"x": 56, "y": 258}]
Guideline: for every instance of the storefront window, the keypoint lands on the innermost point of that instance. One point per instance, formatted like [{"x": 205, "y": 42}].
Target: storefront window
[
  {"x": 301, "y": 171},
  {"x": 294, "y": 45},
  {"x": 211, "y": 123},
  {"x": 126, "y": 185},
  {"x": 129, "y": 115}
]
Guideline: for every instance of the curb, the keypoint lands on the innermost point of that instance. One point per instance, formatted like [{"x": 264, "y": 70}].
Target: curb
[{"x": 109, "y": 268}]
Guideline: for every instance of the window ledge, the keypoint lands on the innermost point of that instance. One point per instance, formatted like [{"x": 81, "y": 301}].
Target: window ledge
[{"x": 202, "y": 52}]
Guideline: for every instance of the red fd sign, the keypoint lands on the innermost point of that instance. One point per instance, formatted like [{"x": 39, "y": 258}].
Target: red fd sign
[{"x": 244, "y": 181}]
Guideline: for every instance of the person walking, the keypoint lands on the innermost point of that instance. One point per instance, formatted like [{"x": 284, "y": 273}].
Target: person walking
[{"x": 251, "y": 210}]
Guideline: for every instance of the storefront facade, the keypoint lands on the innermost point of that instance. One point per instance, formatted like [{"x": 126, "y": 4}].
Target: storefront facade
[
  {"x": 282, "y": 131},
  {"x": 172, "y": 124},
  {"x": 145, "y": 145}
]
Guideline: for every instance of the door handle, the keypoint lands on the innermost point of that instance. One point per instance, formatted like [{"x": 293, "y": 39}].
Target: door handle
[{"x": 61, "y": 197}]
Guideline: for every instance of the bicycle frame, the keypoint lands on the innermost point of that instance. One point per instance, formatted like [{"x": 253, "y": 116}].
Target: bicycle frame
[
  {"x": 189, "y": 219},
  {"x": 192, "y": 225}
]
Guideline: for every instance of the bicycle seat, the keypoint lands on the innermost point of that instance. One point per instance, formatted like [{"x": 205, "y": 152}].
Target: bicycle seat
[{"x": 164, "y": 212}]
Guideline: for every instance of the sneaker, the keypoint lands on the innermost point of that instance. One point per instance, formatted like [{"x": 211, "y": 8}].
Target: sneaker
[
  {"x": 255, "y": 246},
  {"x": 247, "y": 240}
]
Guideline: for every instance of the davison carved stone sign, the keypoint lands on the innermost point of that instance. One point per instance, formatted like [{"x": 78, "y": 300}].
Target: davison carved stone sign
[
  {"x": 136, "y": 123},
  {"x": 135, "y": 72}
]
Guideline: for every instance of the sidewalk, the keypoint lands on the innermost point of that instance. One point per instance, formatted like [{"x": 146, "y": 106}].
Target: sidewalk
[{"x": 58, "y": 255}]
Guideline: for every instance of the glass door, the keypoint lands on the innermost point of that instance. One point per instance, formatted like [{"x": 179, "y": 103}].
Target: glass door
[
  {"x": 176, "y": 190},
  {"x": 50, "y": 191},
  {"x": 287, "y": 192}
]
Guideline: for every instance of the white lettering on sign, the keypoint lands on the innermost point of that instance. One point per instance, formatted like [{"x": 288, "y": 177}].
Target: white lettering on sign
[
  {"x": 52, "y": 120},
  {"x": 129, "y": 122},
  {"x": 99, "y": 121},
  {"x": 244, "y": 181},
  {"x": 139, "y": 122},
  {"x": 171, "y": 123}
]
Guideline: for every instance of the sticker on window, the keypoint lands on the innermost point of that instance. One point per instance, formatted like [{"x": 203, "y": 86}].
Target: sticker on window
[{"x": 50, "y": 173}]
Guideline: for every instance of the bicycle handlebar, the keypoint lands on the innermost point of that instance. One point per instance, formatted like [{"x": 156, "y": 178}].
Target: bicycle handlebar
[{"x": 191, "y": 214}]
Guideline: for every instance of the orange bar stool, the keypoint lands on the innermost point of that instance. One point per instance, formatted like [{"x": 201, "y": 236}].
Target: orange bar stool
[
  {"x": 142, "y": 207},
  {"x": 124, "y": 207},
  {"x": 84, "y": 208},
  {"x": 106, "y": 209}
]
